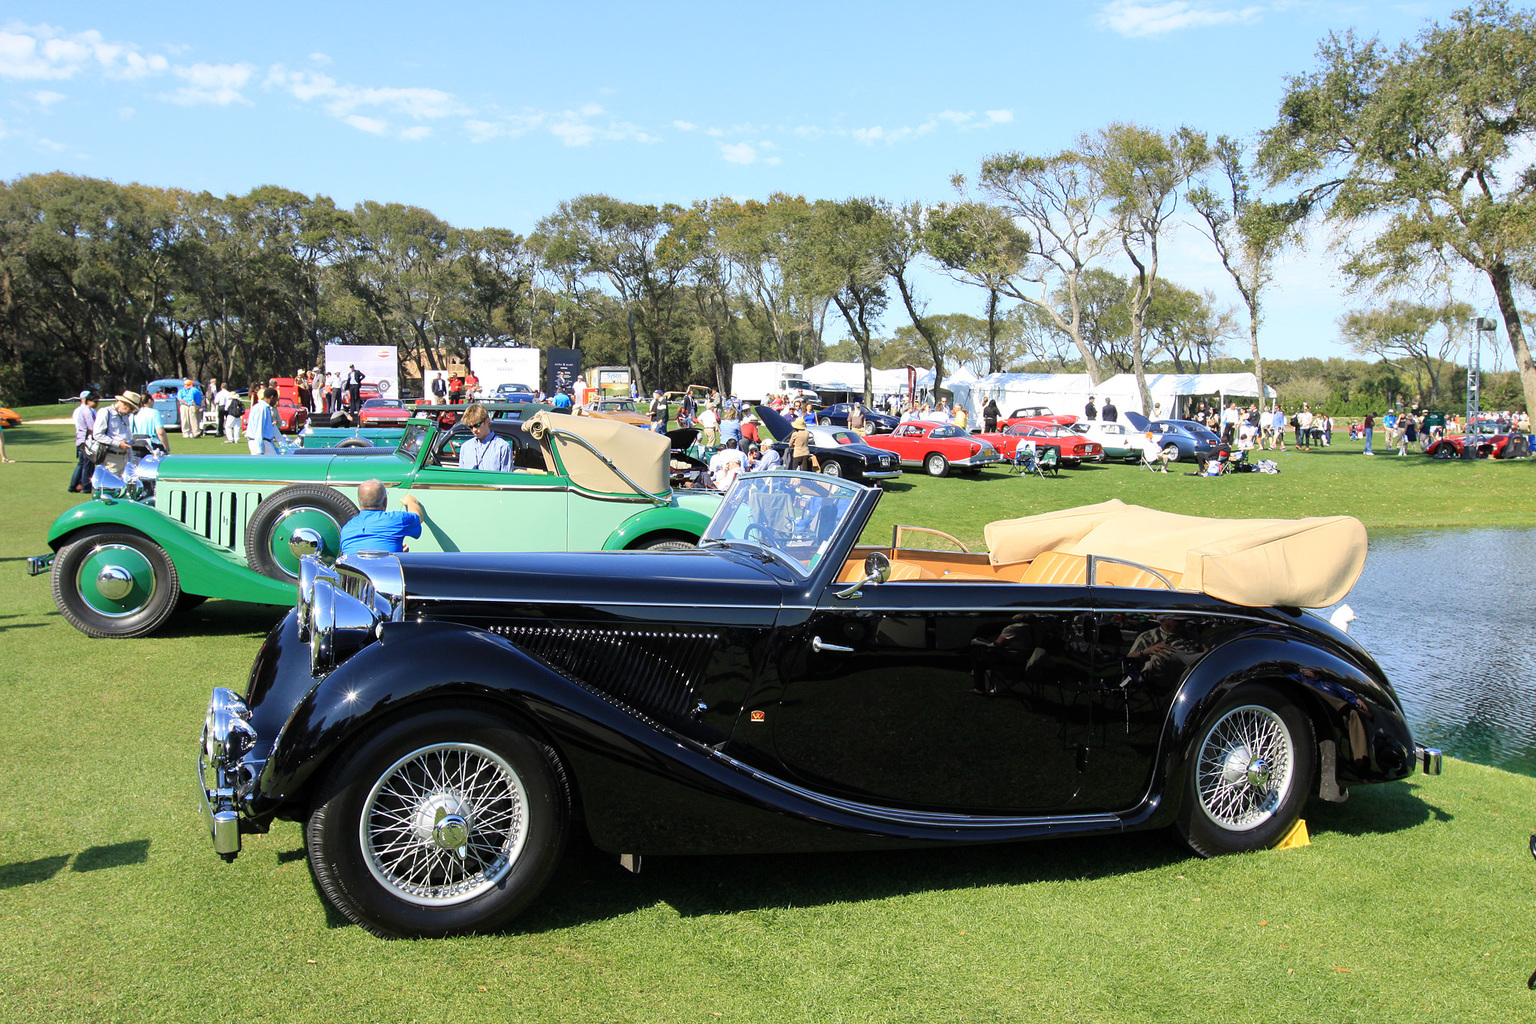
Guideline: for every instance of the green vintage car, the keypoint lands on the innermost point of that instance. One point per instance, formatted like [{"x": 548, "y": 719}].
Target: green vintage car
[
  {"x": 234, "y": 526},
  {"x": 388, "y": 437}
]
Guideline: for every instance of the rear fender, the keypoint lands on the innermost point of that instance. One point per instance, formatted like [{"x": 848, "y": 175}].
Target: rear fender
[
  {"x": 203, "y": 567},
  {"x": 1347, "y": 705},
  {"x": 669, "y": 519}
]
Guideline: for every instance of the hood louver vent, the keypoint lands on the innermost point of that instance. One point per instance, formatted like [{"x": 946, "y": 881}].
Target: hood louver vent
[{"x": 656, "y": 671}]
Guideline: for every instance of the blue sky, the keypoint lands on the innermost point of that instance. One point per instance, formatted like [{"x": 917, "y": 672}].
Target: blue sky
[{"x": 491, "y": 114}]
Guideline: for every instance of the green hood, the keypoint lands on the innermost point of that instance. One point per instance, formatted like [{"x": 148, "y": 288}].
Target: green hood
[{"x": 282, "y": 469}]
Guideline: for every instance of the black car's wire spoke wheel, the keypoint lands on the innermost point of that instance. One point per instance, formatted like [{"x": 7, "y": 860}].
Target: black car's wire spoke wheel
[
  {"x": 302, "y": 506},
  {"x": 831, "y": 467},
  {"x": 444, "y": 823},
  {"x": 1248, "y": 774},
  {"x": 110, "y": 583}
]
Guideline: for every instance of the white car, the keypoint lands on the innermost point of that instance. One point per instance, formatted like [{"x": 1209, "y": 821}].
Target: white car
[{"x": 1121, "y": 441}]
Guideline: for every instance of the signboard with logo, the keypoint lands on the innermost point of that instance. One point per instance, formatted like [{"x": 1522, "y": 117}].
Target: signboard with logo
[
  {"x": 380, "y": 364},
  {"x": 496, "y": 366},
  {"x": 564, "y": 368}
]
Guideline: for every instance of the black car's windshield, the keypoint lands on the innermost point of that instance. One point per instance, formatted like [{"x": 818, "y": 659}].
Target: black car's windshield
[{"x": 795, "y": 515}]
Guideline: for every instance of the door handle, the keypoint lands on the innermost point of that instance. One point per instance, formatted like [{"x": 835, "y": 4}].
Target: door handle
[{"x": 818, "y": 646}]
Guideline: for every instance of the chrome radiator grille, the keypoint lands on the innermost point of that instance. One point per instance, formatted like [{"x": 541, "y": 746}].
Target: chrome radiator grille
[{"x": 656, "y": 671}]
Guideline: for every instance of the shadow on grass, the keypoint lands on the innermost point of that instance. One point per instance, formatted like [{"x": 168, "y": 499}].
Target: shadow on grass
[
  {"x": 590, "y": 886},
  {"x": 92, "y": 858},
  {"x": 224, "y": 618}
]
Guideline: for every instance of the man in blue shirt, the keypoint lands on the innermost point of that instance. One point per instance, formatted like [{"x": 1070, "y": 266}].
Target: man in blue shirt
[
  {"x": 261, "y": 425},
  {"x": 561, "y": 401},
  {"x": 484, "y": 450},
  {"x": 189, "y": 405},
  {"x": 376, "y": 529}
]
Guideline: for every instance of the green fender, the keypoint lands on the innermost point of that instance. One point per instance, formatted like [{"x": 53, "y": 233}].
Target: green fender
[
  {"x": 203, "y": 567},
  {"x": 667, "y": 519}
]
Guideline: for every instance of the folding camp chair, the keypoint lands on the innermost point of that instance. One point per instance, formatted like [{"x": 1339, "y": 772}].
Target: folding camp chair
[
  {"x": 1026, "y": 459},
  {"x": 1049, "y": 461}
]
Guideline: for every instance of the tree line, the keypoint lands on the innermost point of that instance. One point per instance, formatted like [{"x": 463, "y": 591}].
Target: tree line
[{"x": 1417, "y": 157}]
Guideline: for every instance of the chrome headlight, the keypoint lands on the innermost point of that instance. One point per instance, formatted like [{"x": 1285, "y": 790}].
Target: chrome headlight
[
  {"x": 227, "y": 732},
  {"x": 339, "y": 625},
  {"x": 310, "y": 570}
]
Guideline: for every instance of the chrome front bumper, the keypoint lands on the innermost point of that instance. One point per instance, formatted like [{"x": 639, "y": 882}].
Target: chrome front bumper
[
  {"x": 227, "y": 736},
  {"x": 39, "y": 564},
  {"x": 882, "y": 474},
  {"x": 1428, "y": 759}
]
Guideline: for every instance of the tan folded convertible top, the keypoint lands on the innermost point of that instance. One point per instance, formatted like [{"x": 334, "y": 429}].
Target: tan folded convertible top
[
  {"x": 640, "y": 454},
  {"x": 1292, "y": 563}
]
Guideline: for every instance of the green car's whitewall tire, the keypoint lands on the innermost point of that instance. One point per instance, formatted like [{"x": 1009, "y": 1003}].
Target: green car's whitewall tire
[
  {"x": 110, "y": 583},
  {"x": 301, "y": 506}
]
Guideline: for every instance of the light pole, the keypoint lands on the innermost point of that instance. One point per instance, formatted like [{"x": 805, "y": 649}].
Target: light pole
[{"x": 1475, "y": 379}]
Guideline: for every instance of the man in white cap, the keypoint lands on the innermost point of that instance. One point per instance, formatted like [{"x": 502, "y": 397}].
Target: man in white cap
[{"x": 113, "y": 430}]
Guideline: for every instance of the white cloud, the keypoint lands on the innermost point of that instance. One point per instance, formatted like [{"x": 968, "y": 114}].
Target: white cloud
[
  {"x": 371, "y": 125},
  {"x": 319, "y": 58},
  {"x": 739, "y": 153},
  {"x": 45, "y": 99},
  {"x": 46, "y": 52},
  {"x": 416, "y": 133},
  {"x": 341, "y": 99},
  {"x": 219, "y": 84},
  {"x": 684, "y": 126},
  {"x": 580, "y": 126},
  {"x": 999, "y": 116},
  {"x": 1132, "y": 18}
]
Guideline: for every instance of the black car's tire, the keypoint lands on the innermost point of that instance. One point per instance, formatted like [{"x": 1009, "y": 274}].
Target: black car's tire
[
  {"x": 382, "y": 829},
  {"x": 936, "y": 465},
  {"x": 314, "y": 506},
  {"x": 1172, "y": 452},
  {"x": 114, "y": 583},
  {"x": 1248, "y": 773},
  {"x": 666, "y": 544},
  {"x": 831, "y": 467}
]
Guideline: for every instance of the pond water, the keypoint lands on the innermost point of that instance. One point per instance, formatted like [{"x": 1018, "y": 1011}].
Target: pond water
[{"x": 1447, "y": 613}]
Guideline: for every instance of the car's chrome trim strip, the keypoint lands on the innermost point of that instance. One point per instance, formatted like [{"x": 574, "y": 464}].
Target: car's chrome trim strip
[
  {"x": 488, "y": 487},
  {"x": 948, "y": 819}
]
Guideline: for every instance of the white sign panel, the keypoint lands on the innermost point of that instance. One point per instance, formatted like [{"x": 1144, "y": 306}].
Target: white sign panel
[
  {"x": 505, "y": 366},
  {"x": 380, "y": 364}
]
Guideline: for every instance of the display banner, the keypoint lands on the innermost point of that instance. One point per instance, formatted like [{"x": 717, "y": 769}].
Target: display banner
[
  {"x": 380, "y": 364},
  {"x": 564, "y": 368},
  {"x": 495, "y": 366}
]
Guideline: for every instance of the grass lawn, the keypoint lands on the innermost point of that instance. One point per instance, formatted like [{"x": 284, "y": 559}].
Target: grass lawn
[{"x": 1412, "y": 903}]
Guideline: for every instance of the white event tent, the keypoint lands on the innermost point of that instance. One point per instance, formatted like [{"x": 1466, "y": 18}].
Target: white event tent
[{"x": 1172, "y": 393}]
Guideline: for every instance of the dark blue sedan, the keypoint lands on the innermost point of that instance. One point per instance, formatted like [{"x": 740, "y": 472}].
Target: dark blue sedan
[
  {"x": 837, "y": 416},
  {"x": 1190, "y": 440}
]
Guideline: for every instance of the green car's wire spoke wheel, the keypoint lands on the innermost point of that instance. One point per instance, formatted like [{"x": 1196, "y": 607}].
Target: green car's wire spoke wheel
[
  {"x": 1249, "y": 772},
  {"x": 444, "y": 822},
  {"x": 302, "y": 506},
  {"x": 114, "y": 584}
]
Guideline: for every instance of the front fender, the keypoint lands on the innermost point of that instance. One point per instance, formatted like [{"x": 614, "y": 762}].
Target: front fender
[
  {"x": 418, "y": 662},
  {"x": 203, "y": 567},
  {"x": 1348, "y": 705},
  {"x": 668, "y": 519}
]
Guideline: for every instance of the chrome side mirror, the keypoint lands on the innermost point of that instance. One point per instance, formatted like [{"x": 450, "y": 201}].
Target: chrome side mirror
[{"x": 877, "y": 569}]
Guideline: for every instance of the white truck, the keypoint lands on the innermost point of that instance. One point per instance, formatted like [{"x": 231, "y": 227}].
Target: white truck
[{"x": 754, "y": 382}]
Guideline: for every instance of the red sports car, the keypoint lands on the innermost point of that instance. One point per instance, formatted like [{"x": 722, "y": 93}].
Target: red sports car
[
  {"x": 383, "y": 412},
  {"x": 291, "y": 417},
  {"x": 1035, "y": 414},
  {"x": 1071, "y": 447},
  {"x": 1489, "y": 446},
  {"x": 936, "y": 447}
]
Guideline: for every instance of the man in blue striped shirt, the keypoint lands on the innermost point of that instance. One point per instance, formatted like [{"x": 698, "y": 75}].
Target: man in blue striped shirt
[{"x": 484, "y": 450}]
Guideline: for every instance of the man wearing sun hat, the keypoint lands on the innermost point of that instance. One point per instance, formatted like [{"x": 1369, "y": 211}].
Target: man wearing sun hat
[{"x": 113, "y": 429}]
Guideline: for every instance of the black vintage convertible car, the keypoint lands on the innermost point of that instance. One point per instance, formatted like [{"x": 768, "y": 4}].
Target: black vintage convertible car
[{"x": 443, "y": 723}]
